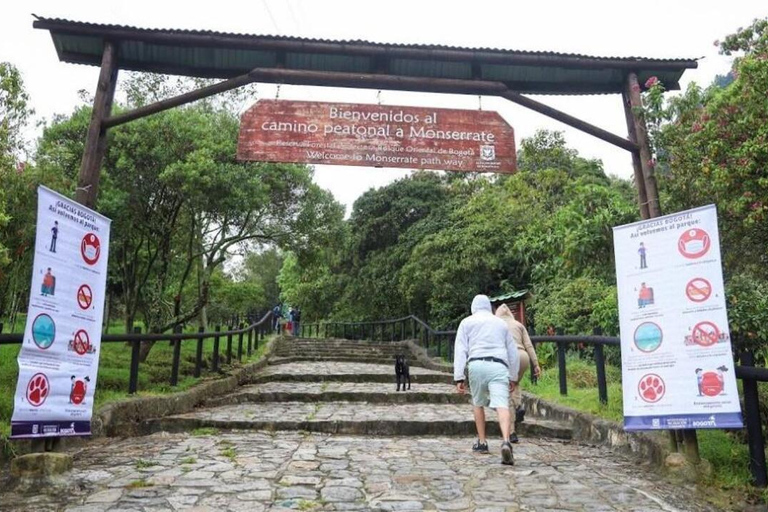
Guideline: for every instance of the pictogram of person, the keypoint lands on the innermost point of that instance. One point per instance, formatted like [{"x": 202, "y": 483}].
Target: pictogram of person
[
  {"x": 54, "y": 236},
  {"x": 645, "y": 297},
  {"x": 641, "y": 252},
  {"x": 49, "y": 284}
]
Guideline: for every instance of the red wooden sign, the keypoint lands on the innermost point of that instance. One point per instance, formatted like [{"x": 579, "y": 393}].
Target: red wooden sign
[{"x": 376, "y": 136}]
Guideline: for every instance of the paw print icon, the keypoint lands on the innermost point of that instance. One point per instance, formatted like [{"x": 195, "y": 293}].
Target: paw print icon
[{"x": 651, "y": 388}]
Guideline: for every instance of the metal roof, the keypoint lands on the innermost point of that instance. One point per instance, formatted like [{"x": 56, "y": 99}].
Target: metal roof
[
  {"x": 225, "y": 55},
  {"x": 519, "y": 294}
]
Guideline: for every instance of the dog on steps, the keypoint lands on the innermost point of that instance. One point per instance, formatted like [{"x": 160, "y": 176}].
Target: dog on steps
[{"x": 402, "y": 371}]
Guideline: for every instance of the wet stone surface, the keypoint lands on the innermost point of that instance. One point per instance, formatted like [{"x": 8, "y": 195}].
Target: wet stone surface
[
  {"x": 256, "y": 471},
  {"x": 310, "y": 388},
  {"x": 341, "y": 368}
]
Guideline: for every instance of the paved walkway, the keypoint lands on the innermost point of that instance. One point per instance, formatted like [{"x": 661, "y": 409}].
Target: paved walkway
[
  {"x": 337, "y": 436},
  {"x": 256, "y": 471}
]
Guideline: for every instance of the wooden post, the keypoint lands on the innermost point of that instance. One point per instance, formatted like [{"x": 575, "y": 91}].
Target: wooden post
[
  {"x": 96, "y": 140},
  {"x": 642, "y": 197},
  {"x": 635, "y": 104},
  {"x": 644, "y": 148}
]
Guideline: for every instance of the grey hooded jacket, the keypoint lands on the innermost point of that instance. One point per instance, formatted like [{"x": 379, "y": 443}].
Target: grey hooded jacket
[{"x": 484, "y": 335}]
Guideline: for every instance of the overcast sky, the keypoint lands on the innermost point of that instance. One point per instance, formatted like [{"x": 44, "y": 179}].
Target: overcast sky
[{"x": 653, "y": 28}]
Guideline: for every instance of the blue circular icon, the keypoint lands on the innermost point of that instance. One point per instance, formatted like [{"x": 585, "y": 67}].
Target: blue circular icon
[
  {"x": 43, "y": 331},
  {"x": 648, "y": 336}
]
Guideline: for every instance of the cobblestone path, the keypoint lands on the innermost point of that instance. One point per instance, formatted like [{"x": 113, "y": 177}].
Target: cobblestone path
[
  {"x": 317, "y": 435},
  {"x": 257, "y": 471}
]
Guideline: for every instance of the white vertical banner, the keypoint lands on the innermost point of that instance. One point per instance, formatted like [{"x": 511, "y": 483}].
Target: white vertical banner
[
  {"x": 677, "y": 363},
  {"x": 59, "y": 357}
]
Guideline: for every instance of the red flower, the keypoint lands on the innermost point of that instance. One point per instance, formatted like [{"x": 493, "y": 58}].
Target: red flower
[
  {"x": 651, "y": 82},
  {"x": 696, "y": 127}
]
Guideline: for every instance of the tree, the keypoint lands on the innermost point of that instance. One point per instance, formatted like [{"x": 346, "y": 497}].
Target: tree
[
  {"x": 262, "y": 268},
  {"x": 16, "y": 194},
  {"x": 427, "y": 244},
  {"x": 182, "y": 205},
  {"x": 712, "y": 147}
]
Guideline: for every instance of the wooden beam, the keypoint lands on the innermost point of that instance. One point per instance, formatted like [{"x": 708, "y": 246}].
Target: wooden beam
[
  {"x": 96, "y": 139},
  {"x": 373, "y": 81},
  {"x": 568, "y": 119},
  {"x": 642, "y": 197},
  {"x": 641, "y": 135},
  {"x": 182, "y": 99}
]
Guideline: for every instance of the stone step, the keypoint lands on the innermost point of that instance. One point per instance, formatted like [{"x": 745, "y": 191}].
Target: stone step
[
  {"x": 350, "y": 418},
  {"x": 350, "y": 377},
  {"x": 333, "y": 371},
  {"x": 369, "y": 392},
  {"x": 334, "y": 350},
  {"x": 283, "y": 359}
]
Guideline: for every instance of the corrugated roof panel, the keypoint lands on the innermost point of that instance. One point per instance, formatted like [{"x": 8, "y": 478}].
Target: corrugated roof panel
[
  {"x": 264, "y": 37},
  {"x": 244, "y": 59},
  {"x": 222, "y": 55},
  {"x": 512, "y": 295},
  {"x": 325, "y": 62},
  {"x": 431, "y": 68},
  {"x": 80, "y": 44}
]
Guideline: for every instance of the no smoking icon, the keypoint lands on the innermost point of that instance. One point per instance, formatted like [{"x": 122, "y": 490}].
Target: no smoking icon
[
  {"x": 698, "y": 289},
  {"x": 705, "y": 334},
  {"x": 84, "y": 296},
  {"x": 82, "y": 342}
]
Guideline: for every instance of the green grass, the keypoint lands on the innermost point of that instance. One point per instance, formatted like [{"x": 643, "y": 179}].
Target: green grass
[
  {"x": 204, "y": 431},
  {"x": 114, "y": 370},
  {"x": 143, "y": 464},
  {"x": 728, "y": 455},
  {"x": 139, "y": 484}
]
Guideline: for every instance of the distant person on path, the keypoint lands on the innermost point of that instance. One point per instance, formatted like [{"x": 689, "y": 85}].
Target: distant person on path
[
  {"x": 277, "y": 314},
  {"x": 484, "y": 343},
  {"x": 296, "y": 321},
  {"x": 527, "y": 355},
  {"x": 54, "y": 236},
  {"x": 289, "y": 324},
  {"x": 641, "y": 252}
]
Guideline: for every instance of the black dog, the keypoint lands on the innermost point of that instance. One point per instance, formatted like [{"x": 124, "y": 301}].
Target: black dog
[{"x": 402, "y": 371}]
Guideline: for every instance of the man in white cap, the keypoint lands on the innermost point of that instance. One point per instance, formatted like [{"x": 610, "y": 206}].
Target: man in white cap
[{"x": 485, "y": 345}]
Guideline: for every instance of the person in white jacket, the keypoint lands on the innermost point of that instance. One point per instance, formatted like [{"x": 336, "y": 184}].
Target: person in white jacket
[{"x": 485, "y": 345}]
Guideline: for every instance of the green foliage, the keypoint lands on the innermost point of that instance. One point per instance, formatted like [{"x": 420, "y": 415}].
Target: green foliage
[
  {"x": 14, "y": 113},
  {"x": 261, "y": 269},
  {"x": 712, "y": 147},
  {"x": 748, "y": 310},
  {"x": 571, "y": 305},
  {"x": 182, "y": 206},
  {"x": 427, "y": 244}
]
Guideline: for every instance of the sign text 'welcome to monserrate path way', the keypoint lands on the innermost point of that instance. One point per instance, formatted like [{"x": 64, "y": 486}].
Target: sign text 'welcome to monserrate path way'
[{"x": 377, "y": 136}]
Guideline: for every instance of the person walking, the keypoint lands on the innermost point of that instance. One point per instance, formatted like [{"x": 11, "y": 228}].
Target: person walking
[
  {"x": 528, "y": 359},
  {"x": 485, "y": 346},
  {"x": 277, "y": 314},
  {"x": 297, "y": 321}
]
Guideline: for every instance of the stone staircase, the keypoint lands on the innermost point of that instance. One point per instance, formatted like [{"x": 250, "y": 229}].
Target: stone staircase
[
  {"x": 333, "y": 349},
  {"x": 345, "y": 387}
]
